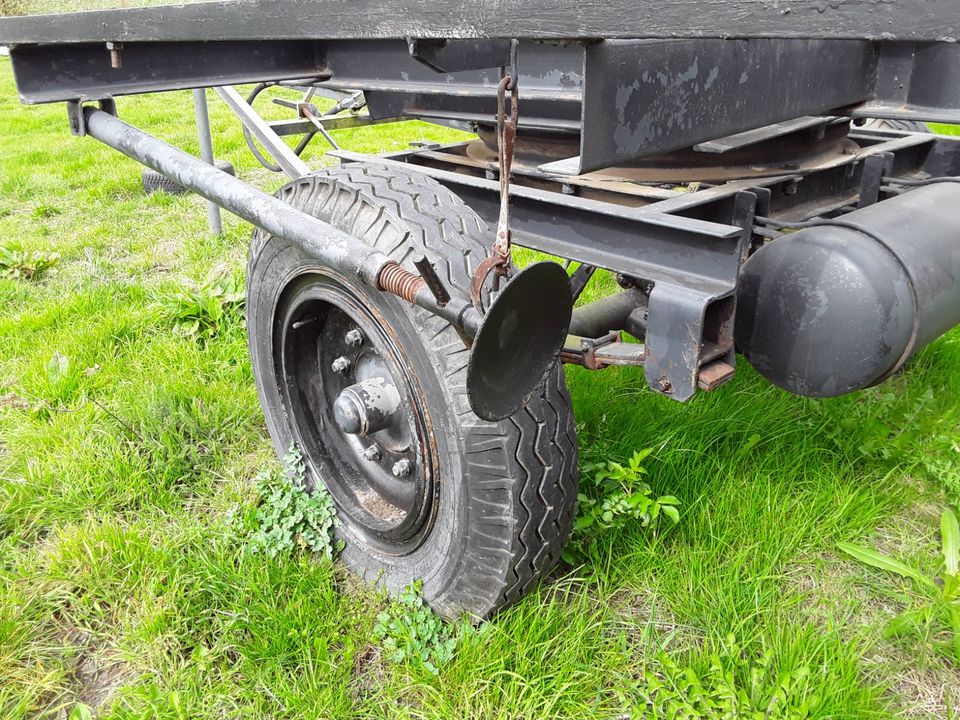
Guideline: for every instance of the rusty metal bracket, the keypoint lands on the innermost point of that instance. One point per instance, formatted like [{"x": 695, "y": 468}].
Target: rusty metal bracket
[
  {"x": 76, "y": 118},
  {"x": 600, "y": 353},
  {"x": 499, "y": 261}
]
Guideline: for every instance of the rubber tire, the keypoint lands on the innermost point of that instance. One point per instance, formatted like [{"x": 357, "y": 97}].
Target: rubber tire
[
  {"x": 507, "y": 490},
  {"x": 154, "y": 181},
  {"x": 898, "y": 125}
]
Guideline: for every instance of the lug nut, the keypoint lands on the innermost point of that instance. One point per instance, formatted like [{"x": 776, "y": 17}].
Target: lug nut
[
  {"x": 373, "y": 453},
  {"x": 401, "y": 468},
  {"x": 340, "y": 365},
  {"x": 354, "y": 338}
]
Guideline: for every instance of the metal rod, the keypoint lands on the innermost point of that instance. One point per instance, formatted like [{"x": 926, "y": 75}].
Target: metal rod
[
  {"x": 330, "y": 246},
  {"x": 281, "y": 152},
  {"x": 610, "y": 313},
  {"x": 206, "y": 153}
]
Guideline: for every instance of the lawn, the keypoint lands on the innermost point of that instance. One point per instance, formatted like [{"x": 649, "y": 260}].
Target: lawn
[{"x": 128, "y": 447}]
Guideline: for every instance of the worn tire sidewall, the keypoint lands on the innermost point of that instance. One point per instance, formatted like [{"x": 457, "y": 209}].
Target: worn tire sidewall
[{"x": 437, "y": 560}]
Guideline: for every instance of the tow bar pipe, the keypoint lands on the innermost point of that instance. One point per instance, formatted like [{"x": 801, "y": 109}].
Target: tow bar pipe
[{"x": 330, "y": 246}]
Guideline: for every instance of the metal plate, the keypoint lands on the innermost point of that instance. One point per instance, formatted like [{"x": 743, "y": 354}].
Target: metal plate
[
  {"x": 556, "y": 19},
  {"x": 519, "y": 341}
]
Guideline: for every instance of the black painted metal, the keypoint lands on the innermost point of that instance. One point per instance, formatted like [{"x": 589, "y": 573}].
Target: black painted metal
[
  {"x": 645, "y": 97},
  {"x": 633, "y": 241},
  {"x": 314, "y": 315},
  {"x": 693, "y": 263},
  {"x": 520, "y": 340},
  {"x": 612, "y": 80},
  {"x": 924, "y": 20},
  {"x": 626, "y": 99},
  {"x": 396, "y": 84},
  {"x": 46, "y": 73},
  {"x": 598, "y": 318},
  {"x": 916, "y": 82},
  {"x": 841, "y": 306}
]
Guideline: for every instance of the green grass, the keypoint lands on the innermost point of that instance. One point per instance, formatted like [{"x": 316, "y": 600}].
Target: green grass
[{"x": 123, "y": 583}]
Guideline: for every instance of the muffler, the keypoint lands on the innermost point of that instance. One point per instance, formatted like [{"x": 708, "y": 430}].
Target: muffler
[{"x": 842, "y": 305}]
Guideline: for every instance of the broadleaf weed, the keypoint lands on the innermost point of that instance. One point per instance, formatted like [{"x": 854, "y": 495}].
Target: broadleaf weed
[
  {"x": 409, "y": 631},
  {"x": 737, "y": 684},
  {"x": 210, "y": 311},
  {"x": 616, "y": 496},
  {"x": 288, "y": 516},
  {"x": 19, "y": 263}
]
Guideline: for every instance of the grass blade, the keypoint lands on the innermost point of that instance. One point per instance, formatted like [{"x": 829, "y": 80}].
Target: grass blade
[
  {"x": 883, "y": 562},
  {"x": 950, "y": 536}
]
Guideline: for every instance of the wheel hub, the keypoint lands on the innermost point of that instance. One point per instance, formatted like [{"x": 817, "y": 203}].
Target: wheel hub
[
  {"x": 367, "y": 407},
  {"x": 356, "y": 412}
]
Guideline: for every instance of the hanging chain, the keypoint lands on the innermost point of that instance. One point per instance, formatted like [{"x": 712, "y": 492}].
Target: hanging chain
[{"x": 499, "y": 260}]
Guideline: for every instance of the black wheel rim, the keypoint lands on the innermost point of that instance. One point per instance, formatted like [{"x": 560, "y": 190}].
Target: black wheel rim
[{"x": 317, "y": 358}]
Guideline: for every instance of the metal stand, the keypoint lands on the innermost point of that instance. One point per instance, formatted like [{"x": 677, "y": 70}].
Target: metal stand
[{"x": 206, "y": 153}]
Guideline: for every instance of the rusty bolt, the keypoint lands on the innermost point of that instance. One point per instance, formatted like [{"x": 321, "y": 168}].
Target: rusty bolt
[
  {"x": 664, "y": 386},
  {"x": 116, "y": 60},
  {"x": 373, "y": 453},
  {"x": 354, "y": 338},
  {"x": 402, "y": 468},
  {"x": 340, "y": 365}
]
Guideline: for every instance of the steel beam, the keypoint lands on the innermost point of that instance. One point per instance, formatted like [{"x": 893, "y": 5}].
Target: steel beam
[
  {"x": 626, "y": 99},
  {"x": 642, "y": 244},
  {"x": 53, "y": 73},
  {"x": 919, "y": 20},
  {"x": 284, "y": 128},
  {"x": 204, "y": 138},
  {"x": 646, "y": 97},
  {"x": 694, "y": 264}
]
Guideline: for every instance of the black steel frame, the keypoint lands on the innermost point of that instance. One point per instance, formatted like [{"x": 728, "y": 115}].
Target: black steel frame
[{"x": 628, "y": 79}]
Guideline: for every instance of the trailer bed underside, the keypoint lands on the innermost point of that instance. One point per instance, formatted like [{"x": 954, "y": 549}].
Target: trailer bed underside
[{"x": 912, "y": 20}]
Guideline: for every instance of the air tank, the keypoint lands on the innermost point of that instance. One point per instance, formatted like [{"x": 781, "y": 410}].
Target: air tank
[{"x": 835, "y": 308}]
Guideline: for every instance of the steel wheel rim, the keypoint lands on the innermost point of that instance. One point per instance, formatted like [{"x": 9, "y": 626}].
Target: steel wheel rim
[{"x": 391, "y": 513}]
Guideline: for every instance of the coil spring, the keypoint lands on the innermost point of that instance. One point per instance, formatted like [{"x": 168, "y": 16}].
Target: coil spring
[{"x": 400, "y": 281}]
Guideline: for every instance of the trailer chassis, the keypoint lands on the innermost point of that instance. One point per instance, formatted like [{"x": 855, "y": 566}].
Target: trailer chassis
[{"x": 675, "y": 146}]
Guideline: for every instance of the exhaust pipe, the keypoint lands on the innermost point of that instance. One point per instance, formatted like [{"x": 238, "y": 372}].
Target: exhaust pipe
[{"x": 842, "y": 305}]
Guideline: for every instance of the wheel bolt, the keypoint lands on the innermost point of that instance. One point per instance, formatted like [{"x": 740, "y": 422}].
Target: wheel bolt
[
  {"x": 354, "y": 338},
  {"x": 402, "y": 468},
  {"x": 373, "y": 453},
  {"x": 340, "y": 365}
]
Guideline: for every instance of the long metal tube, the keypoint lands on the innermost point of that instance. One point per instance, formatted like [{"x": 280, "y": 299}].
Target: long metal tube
[
  {"x": 610, "y": 313},
  {"x": 332, "y": 247},
  {"x": 206, "y": 152}
]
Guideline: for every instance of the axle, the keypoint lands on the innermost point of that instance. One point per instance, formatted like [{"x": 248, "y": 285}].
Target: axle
[{"x": 331, "y": 247}]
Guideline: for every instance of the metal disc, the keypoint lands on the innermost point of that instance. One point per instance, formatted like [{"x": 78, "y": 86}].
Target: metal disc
[{"x": 519, "y": 341}]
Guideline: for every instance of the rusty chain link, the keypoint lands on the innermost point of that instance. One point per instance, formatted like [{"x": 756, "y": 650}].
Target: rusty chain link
[{"x": 500, "y": 258}]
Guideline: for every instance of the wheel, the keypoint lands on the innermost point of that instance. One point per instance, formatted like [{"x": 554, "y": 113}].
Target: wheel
[
  {"x": 899, "y": 125},
  {"x": 154, "y": 181},
  {"x": 478, "y": 511}
]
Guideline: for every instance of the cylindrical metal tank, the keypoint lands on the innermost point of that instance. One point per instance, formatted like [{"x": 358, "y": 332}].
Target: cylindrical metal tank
[{"x": 838, "y": 307}]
